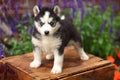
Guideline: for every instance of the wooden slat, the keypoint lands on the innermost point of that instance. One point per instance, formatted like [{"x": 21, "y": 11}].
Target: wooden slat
[{"x": 101, "y": 73}]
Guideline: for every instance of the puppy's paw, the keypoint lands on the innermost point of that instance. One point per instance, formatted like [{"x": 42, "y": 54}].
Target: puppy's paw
[
  {"x": 49, "y": 56},
  {"x": 56, "y": 70},
  {"x": 84, "y": 57},
  {"x": 35, "y": 64}
]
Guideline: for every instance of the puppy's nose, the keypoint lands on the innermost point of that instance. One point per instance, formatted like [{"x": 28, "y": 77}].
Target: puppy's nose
[{"x": 46, "y": 32}]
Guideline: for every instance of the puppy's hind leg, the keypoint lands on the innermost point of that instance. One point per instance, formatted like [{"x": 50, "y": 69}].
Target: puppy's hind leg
[
  {"x": 49, "y": 56},
  {"x": 83, "y": 54},
  {"x": 81, "y": 51}
]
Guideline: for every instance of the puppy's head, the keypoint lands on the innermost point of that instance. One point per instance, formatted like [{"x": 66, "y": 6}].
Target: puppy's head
[{"x": 47, "y": 19}]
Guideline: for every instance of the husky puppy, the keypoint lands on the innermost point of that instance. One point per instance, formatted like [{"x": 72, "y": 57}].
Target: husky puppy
[{"x": 51, "y": 35}]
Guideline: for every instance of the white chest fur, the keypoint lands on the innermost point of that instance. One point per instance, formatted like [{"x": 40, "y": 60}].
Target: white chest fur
[{"x": 47, "y": 43}]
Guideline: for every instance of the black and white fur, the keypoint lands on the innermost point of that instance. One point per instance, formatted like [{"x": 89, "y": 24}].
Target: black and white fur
[{"x": 51, "y": 35}]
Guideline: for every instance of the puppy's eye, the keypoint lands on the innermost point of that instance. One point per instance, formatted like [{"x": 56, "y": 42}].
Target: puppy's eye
[
  {"x": 41, "y": 23},
  {"x": 52, "y": 23}
]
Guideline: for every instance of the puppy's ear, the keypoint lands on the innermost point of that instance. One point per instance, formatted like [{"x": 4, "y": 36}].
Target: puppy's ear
[
  {"x": 36, "y": 10},
  {"x": 57, "y": 10}
]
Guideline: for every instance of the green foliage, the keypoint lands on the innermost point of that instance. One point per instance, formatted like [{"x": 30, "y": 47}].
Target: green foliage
[
  {"x": 99, "y": 43},
  {"x": 23, "y": 44}
]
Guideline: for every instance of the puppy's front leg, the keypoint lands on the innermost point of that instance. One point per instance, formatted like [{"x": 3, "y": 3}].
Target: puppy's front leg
[
  {"x": 58, "y": 62},
  {"x": 37, "y": 58}
]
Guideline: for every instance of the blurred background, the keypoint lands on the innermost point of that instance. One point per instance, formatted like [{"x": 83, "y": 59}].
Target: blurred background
[{"x": 98, "y": 21}]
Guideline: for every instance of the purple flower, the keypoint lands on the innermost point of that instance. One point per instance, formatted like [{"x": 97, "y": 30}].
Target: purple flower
[
  {"x": 111, "y": 29},
  {"x": 1, "y": 33},
  {"x": 12, "y": 26},
  {"x": 93, "y": 3},
  {"x": 4, "y": 8},
  {"x": 2, "y": 52},
  {"x": 39, "y": 3},
  {"x": 82, "y": 14},
  {"x": 73, "y": 12},
  {"x": 114, "y": 7},
  {"x": 79, "y": 3},
  {"x": 64, "y": 2},
  {"x": 18, "y": 4},
  {"x": 53, "y": 2},
  {"x": 86, "y": 2},
  {"x": 11, "y": 2},
  {"x": 16, "y": 9},
  {"x": 31, "y": 30},
  {"x": 102, "y": 26},
  {"x": 102, "y": 5},
  {"x": 26, "y": 16},
  {"x": 1, "y": 46},
  {"x": 15, "y": 21},
  {"x": 70, "y": 4}
]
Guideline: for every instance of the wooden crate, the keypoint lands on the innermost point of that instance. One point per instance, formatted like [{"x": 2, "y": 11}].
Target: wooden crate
[{"x": 73, "y": 69}]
